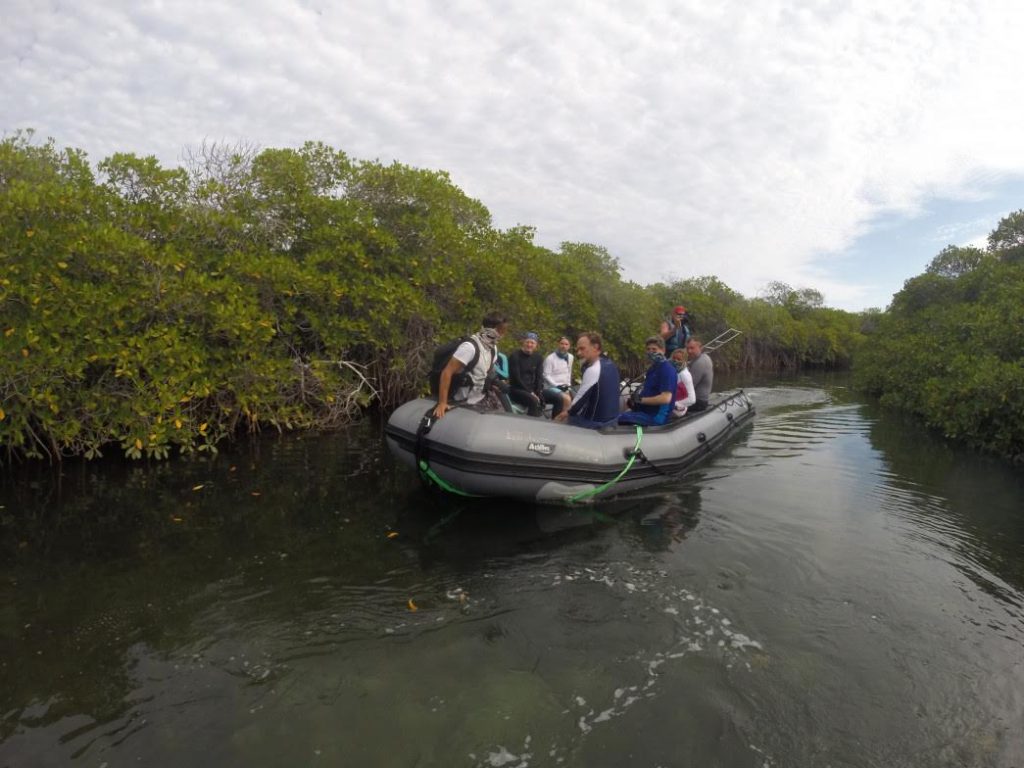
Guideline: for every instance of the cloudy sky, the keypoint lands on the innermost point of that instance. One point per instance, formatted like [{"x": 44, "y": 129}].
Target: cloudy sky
[{"x": 829, "y": 144}]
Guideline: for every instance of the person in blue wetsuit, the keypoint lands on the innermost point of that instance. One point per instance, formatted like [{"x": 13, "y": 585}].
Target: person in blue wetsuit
[
  {"x": 653, "y": 405},
  {"x": 596, "y": 403}
]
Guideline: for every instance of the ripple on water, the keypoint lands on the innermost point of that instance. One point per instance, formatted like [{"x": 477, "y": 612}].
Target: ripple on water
[{"x": 678, "y": 623}]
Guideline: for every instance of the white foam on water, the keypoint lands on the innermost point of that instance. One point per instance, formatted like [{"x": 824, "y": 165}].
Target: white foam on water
[
  {"x": 503, "y": 757},
  {"x": 696, "y": 623},
  {"x": 686, "y": 609}
]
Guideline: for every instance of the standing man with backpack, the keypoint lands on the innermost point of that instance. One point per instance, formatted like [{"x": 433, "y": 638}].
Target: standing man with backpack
[
  {"x": 467, "y": 369},
  {"x": 675, "y": 330}
]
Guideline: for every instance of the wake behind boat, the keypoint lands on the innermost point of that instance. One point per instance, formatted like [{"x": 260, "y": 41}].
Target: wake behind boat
[{"x": 474, "y": 452}]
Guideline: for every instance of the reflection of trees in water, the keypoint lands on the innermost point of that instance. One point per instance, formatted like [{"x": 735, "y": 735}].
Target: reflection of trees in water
[
  {"x": 662, "y": 522},
  {"x": 967, "y": 502},
  {"x": 101, "y": 562},
  {"x": 112, "y": 563},
  {"x": 465, "y": 532}
]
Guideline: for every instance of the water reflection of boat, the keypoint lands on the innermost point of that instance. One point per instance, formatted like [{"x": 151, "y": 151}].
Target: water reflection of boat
[{"x": 487, "y": 453}]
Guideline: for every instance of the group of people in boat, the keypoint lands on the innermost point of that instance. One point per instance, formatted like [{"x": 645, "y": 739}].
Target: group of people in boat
[{"x": 677, "y": 381}]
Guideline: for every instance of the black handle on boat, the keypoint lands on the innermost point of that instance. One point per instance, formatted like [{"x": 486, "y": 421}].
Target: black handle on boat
[
  {"x": 426, "y": 423},
  {"x": 419, "y": 449}
]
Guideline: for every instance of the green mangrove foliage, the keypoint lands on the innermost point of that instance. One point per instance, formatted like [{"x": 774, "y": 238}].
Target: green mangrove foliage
[
  {"x": 158, "y": 309},
  {"x": 951, "y": 346}
]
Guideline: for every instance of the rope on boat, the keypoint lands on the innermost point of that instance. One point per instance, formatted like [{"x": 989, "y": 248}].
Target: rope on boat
[
  {"x": 432, "y": 476},
  {"x": 632, "y": 458},
  {"x": 427, "y": 475}
]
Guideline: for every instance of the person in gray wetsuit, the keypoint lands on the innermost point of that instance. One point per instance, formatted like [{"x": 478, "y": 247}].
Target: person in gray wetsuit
[{"x": 703, "y": 372}]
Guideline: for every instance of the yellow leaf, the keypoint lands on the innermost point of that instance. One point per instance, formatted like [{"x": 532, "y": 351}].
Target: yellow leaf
[
  {"x": 197, "y": 487},
  {"x": 392, "y": 534},
  {"x": 412, "y": 605},
  {"x": 2, "y": 414},
  {"x": 8, "y": 332},
  {"x": 24, "y": 351},
  {"x": 176, "y": 519},
  {"x": 29, "y": 232},
  {"x": 62, "y": 264},
  {"x": 138, "y": 443},
  {"x": 202, "y": 427},
  {"x": 177, "y": 423}
]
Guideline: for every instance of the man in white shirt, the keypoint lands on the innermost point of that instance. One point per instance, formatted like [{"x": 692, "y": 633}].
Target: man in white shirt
[
  {"x": 471, "y": 391},
  {"x": 557, "y": 373}
]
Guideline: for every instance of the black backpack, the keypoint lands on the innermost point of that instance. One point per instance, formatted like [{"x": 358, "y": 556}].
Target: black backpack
[{"x": 441, "y": 357}]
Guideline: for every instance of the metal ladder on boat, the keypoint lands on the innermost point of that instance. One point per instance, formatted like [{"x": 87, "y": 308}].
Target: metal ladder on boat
[{"x": 721, "y": 339}]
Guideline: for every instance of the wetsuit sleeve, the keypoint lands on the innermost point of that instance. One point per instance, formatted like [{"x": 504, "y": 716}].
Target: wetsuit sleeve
[
  {"x": 514, "y": 377},
  {"x": 590, "y": 378},
  {"x": 691, "y": 394}
]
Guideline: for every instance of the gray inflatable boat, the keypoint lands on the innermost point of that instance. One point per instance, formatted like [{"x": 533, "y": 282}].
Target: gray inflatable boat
[{"x": 492, "y": 453}]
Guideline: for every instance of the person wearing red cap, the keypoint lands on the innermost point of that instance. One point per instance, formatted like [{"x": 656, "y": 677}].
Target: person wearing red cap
[{"x": 675, "y": 330}]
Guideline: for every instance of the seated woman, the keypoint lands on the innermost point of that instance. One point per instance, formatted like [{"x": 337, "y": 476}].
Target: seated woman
[{"x": 685, "y": 394}]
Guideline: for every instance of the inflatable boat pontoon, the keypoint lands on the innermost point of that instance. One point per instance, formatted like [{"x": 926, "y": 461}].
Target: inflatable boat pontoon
[{"x": 492, "y": 453}]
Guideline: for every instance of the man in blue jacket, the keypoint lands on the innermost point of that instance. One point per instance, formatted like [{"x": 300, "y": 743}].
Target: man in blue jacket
[
  {"x": 653, "y": 405},
  {"x": 596, "y": 402}
]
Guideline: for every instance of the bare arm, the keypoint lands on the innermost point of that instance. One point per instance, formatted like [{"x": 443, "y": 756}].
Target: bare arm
[{"x": 444, "y": 384}]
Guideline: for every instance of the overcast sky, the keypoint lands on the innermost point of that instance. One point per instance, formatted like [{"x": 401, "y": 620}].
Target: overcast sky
[{"x": 832, "y": 145}]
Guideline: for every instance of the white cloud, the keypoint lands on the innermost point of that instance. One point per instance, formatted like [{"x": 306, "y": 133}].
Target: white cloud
[{"x": 755, "y": 143}]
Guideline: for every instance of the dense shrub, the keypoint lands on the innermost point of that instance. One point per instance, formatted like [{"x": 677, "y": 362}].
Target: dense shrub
[
  {"x": 951, "y": 348},
  {"x": 162, "y": 309}
]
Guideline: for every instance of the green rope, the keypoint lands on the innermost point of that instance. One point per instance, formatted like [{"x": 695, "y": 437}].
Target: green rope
[
  {"x": 433, "y": 477},
  {"x": 440, "y": 483},
  {"x": 614, "y": 480}
]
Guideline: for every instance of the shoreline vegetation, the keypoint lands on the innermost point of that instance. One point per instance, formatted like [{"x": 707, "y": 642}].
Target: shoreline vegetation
[
  {"x": 154, "y": 311},
  {"x": 950, "y": 347}
]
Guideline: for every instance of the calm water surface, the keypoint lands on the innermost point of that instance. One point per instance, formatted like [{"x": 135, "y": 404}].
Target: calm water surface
[{"x": 837, "y": 588}]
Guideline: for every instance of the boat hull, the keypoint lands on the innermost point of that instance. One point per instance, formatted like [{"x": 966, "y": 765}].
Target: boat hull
[{"x": 492, "y": 453}]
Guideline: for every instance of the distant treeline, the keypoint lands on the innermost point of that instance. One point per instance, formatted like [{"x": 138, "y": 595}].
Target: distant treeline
[
  {"x": 158, "y": 309},
  {"x": 950, "y": 348}
]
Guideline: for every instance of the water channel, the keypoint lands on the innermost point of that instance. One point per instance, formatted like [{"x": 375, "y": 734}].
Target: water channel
[{"x": 836, "y": 588}]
